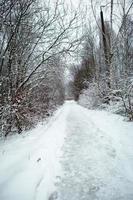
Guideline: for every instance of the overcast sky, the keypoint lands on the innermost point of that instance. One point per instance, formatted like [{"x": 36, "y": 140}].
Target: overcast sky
[{"x": 88, "y": 16}]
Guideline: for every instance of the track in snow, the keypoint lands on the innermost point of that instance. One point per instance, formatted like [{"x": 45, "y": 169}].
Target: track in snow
[
  {"x": 83, "y": 155},
  {"x": 93, "y": 161}
]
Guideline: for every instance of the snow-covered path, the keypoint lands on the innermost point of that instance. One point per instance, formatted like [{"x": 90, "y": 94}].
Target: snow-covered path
[
  {"x": 80, "y": 155},
  {"x": 98, "y": 157}
]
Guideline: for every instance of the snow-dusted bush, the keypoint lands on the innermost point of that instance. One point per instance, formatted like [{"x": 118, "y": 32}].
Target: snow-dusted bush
[
  {"x": 89, "y": 97},
  {"x": 118, "y": 101}
]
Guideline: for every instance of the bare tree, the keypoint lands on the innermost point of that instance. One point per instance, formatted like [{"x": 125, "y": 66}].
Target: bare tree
[{"x": 31, "y": 35}]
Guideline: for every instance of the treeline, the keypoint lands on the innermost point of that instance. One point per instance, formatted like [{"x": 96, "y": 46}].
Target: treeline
[
  {"x": 33, "y": 40},
  {"x": 104, "y": 75}
]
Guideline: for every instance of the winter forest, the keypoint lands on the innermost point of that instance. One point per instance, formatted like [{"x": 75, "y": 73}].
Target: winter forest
[
  {"x": 66, "y": 100},
  {"x": 41, "y": 41}
]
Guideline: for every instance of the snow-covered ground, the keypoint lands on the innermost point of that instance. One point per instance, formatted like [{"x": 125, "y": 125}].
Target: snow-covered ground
[
  {"x": 79, "y": 155},
  {"x": 30, "y": 163}
]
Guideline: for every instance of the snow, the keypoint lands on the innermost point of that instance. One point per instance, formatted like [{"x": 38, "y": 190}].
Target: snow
[
  {"x": 80, "y": 154},
  {"x": 30, "y": 164}
]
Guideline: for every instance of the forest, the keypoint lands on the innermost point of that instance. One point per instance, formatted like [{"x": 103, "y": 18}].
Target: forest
[{"x": 51, "y": 51}]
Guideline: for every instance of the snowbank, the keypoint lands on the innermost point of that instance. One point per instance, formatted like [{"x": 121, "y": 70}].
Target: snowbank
[{"x": 30, "y": 163}]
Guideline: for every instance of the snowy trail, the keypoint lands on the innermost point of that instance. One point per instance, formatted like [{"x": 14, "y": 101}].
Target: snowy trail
[
  {"x": 96, "y": 163},
  {"x": 80, "y": 155}
]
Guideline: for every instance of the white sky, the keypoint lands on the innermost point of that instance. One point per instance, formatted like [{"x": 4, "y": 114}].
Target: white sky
[
  {"x": 117, "y": 9},
  {"x": 88, "y": 17}
]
